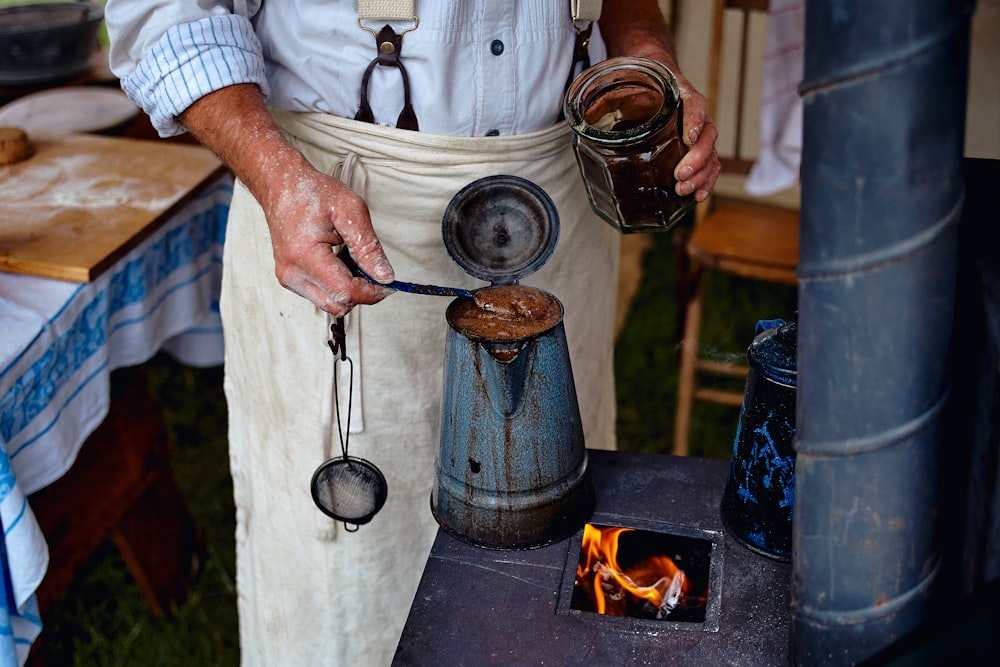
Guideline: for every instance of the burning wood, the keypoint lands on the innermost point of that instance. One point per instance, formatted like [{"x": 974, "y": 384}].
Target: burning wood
[
  {"x": 617, "y": 586},
  {"x": 651, "y": 586}
]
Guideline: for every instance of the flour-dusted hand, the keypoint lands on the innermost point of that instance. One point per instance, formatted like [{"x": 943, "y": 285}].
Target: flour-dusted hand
[{"x": 308, "y": 213}]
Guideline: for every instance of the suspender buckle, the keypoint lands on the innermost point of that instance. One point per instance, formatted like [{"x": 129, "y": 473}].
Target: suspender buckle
[{"x": 416, "y": 24}]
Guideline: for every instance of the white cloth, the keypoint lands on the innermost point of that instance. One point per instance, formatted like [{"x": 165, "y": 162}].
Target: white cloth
[
  {"x": 777, "y": 165},
  {"x": 309, "y": 597},
  {"x": 474, "y": 66},
  {"x": 60, "y": 342}
]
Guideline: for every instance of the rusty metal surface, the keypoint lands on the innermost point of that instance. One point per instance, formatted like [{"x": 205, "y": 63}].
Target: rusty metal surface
[
  {"x": 512, "y": 468},
  {"x": 480, "y": 606}
]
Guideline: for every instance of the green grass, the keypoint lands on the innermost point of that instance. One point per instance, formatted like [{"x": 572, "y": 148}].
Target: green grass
[
  {"x": 646, "y": 356},
  {"x": 103, "y": 619}
]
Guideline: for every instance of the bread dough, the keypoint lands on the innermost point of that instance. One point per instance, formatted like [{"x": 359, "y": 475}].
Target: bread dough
[{"x": 14, "y": 145}]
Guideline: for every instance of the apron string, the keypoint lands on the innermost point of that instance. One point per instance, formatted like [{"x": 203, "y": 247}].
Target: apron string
[{"x": 347, "y": 170}]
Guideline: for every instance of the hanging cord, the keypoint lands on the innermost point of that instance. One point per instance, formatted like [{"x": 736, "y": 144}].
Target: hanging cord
[{"x": 337, "y": 343}]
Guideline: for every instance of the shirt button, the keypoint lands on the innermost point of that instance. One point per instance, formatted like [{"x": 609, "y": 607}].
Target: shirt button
[
  {"x": 493, "y": 133},
  {"x": 496, "y": 47}
]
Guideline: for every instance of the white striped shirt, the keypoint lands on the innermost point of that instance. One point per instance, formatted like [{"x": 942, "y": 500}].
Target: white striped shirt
[{"x": 476, "y": 67}]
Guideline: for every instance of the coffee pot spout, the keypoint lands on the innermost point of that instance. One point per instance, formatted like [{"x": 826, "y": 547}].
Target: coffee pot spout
[{"x": 505, "y": 369}]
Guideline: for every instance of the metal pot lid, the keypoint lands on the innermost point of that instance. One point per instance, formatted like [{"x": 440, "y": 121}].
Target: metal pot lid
[
  {"x": 500, "y": 228},
  {"x": 773, "y": 350}
]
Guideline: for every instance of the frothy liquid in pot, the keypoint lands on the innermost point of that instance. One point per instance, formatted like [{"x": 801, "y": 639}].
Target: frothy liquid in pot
[{"x": 507, "y": 312}]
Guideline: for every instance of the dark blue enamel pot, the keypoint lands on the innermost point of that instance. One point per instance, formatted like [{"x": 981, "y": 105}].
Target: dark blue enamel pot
[{"x": 758, "y": 499}]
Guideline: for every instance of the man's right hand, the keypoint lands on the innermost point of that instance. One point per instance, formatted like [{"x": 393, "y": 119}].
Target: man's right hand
[{"x": 308, "y": 213}]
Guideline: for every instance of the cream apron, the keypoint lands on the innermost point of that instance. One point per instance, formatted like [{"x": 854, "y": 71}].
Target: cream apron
[{"x": 310, "y": 593}]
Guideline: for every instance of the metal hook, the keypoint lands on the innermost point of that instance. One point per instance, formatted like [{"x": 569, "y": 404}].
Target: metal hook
[
  {"x": 416, "y": 24},
  {"x": 338, "y": 339}
]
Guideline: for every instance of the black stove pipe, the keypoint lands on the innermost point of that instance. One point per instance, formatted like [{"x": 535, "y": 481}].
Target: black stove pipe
[{"x": 884, "y": 123}]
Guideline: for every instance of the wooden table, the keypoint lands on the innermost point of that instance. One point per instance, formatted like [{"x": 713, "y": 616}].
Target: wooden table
[{"x": 82, "y": 201}]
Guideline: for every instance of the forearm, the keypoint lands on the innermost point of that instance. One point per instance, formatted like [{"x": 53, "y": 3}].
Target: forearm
[
  {"x": 637, "y": 28},
  {"x": 308, "y": 213},
  {"x": 234, "y": 123}
]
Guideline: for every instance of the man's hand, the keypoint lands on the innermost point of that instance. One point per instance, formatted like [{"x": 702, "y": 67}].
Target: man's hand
[
  {"x": 308, "y": 213},
  {"x": 697, "y": 171}
]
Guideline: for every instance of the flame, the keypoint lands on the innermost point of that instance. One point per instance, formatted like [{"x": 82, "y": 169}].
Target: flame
[{"x": 655, "y": 579}]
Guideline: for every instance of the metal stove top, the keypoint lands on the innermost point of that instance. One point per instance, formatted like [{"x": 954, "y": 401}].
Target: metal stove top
[{"x": 478, "y": 606}]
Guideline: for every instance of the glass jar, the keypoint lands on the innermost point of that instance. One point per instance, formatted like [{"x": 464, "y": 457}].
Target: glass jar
[{"x": 626, "y": 118}]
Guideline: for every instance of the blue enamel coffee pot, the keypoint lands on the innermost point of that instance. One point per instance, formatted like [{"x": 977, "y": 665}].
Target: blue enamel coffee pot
[{"x": 511, "y": 472}]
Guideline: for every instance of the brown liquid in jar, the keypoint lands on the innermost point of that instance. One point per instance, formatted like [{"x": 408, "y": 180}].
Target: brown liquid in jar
[
  {"x": 506, "y": 312},
  {"x": 642, "y": 181}
]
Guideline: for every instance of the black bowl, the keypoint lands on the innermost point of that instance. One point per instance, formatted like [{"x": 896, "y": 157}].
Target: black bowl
[{"x": 48, "y": 42}]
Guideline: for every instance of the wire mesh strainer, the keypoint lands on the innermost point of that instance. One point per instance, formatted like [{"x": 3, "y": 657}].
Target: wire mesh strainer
[{"x": 347, "y": 488}]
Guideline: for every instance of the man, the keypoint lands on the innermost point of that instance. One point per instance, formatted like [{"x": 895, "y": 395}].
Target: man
[{"x": 273, "y": 89}]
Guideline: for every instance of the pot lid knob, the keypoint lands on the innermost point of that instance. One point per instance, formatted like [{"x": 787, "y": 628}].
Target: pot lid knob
[{"x": 500, "y": 228}]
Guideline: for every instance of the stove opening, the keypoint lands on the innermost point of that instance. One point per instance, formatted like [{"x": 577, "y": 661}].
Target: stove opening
[{"x": 642, "y": 574}]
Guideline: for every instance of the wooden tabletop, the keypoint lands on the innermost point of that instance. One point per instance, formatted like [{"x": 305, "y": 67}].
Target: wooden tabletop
[{"x": 83, "y": 201}]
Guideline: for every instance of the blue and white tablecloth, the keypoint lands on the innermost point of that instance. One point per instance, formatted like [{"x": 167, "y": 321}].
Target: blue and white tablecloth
[{"x": 59, "y": 342}]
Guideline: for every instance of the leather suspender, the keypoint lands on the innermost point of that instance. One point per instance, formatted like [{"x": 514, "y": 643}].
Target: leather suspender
[
  {"x": 389, "y": 46},
  {"x": 582, "y": 11}
]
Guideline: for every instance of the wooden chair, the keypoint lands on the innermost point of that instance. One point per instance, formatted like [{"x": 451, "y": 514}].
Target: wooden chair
[{"x": 737, "y": 236}]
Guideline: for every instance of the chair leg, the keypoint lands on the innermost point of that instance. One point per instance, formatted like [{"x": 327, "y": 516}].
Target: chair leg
[
  {"x": 688, "y": 361},
  {"x": 682, "y": 282}
]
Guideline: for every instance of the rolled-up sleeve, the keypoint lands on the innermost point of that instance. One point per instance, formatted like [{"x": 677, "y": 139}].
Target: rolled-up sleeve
[{"x": 188, "y": 61}]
